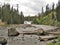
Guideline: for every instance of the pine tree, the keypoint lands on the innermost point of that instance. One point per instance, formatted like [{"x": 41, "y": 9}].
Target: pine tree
[
  {"x": 0, "y": 13},
  {"x": 22, "y": 17},
  {"x": 47, "y": 9},
  {"x": 58, "y": 11},
  {"x": 53, "y": 11},
  {"x": 39, "y": 15},
  {"x": 42, "y": 10},
  {"x": 6, "y": 13},
  {"x": 11, "y": 15}
]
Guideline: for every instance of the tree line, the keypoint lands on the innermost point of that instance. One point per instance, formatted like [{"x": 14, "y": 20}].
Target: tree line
[
  {"x": 12, "y": 16},
  {"x": 55, "y": 12}
]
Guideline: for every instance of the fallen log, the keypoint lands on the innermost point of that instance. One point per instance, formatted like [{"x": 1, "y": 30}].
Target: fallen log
[
  {"x": 36, "y": 32},
  {"x": 48, "y": 37},
  {"x": 55, "y": 33}
]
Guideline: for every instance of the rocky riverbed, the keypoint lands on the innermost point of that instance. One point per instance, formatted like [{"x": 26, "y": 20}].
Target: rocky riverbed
[{"x": 25, "y": 39}]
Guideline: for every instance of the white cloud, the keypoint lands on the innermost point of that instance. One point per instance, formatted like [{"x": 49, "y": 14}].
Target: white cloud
[
  {"x": 30, "y": 7},
  {"x": 51, "y": 1},
  {"x": 27, "y": 11}
]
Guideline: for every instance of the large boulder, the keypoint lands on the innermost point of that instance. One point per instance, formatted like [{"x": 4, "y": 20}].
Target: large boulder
[{"x": 13, "y": 32}]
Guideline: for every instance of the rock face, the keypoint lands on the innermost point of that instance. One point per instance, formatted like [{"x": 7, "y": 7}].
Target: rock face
[
  {"x": 13, "y": 32},
  {"x": 3, "y": 40}
]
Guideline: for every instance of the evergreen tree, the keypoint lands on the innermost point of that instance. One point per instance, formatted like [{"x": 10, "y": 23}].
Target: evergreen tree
[
  {"x": 0, "y": 13},
  {"x": 16, "y": 17},
  {"x": 42, "y": 10},
  {"x": 9, "y": 15},
  {"x": 39, "y": 15},
  {"x": 35, "y": 20},
  {"x": 58, "y": 11},
  {"x": 47, "y": 9},
  {"x": 22, "y": 17},
  {"x": 6, "y": 13},
  {"x": 53, "y": 7},
  {"x": 53, "y": 11}
]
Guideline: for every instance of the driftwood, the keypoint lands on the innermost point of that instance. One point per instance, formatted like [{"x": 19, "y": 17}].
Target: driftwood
[
  {"x": 55, "y": 33},
  {"x": 52, "y": 30},
  {"x": 48, "y": 37},
  {"x": 36, "y": 32}
]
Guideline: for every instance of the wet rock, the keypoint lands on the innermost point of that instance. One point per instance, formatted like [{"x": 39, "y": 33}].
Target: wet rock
[
  {"x": 13, "y": 32},
  {"x": 3, "y": 40}
]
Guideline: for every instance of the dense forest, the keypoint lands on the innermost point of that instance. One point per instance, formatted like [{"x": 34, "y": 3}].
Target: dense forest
[{"x": 12, "y": 16}]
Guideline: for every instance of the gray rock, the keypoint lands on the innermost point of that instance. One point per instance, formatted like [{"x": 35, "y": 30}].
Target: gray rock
[
  {"x": 3, "y": 40},
  {"x": 13, "y": 32}
]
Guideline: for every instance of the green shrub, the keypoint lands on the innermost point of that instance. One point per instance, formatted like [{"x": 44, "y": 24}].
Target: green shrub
[{"x": 51, "y": 43}]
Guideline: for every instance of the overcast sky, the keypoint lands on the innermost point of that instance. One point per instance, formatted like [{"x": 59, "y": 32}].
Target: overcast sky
[{"x": 30, "y": 7}]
